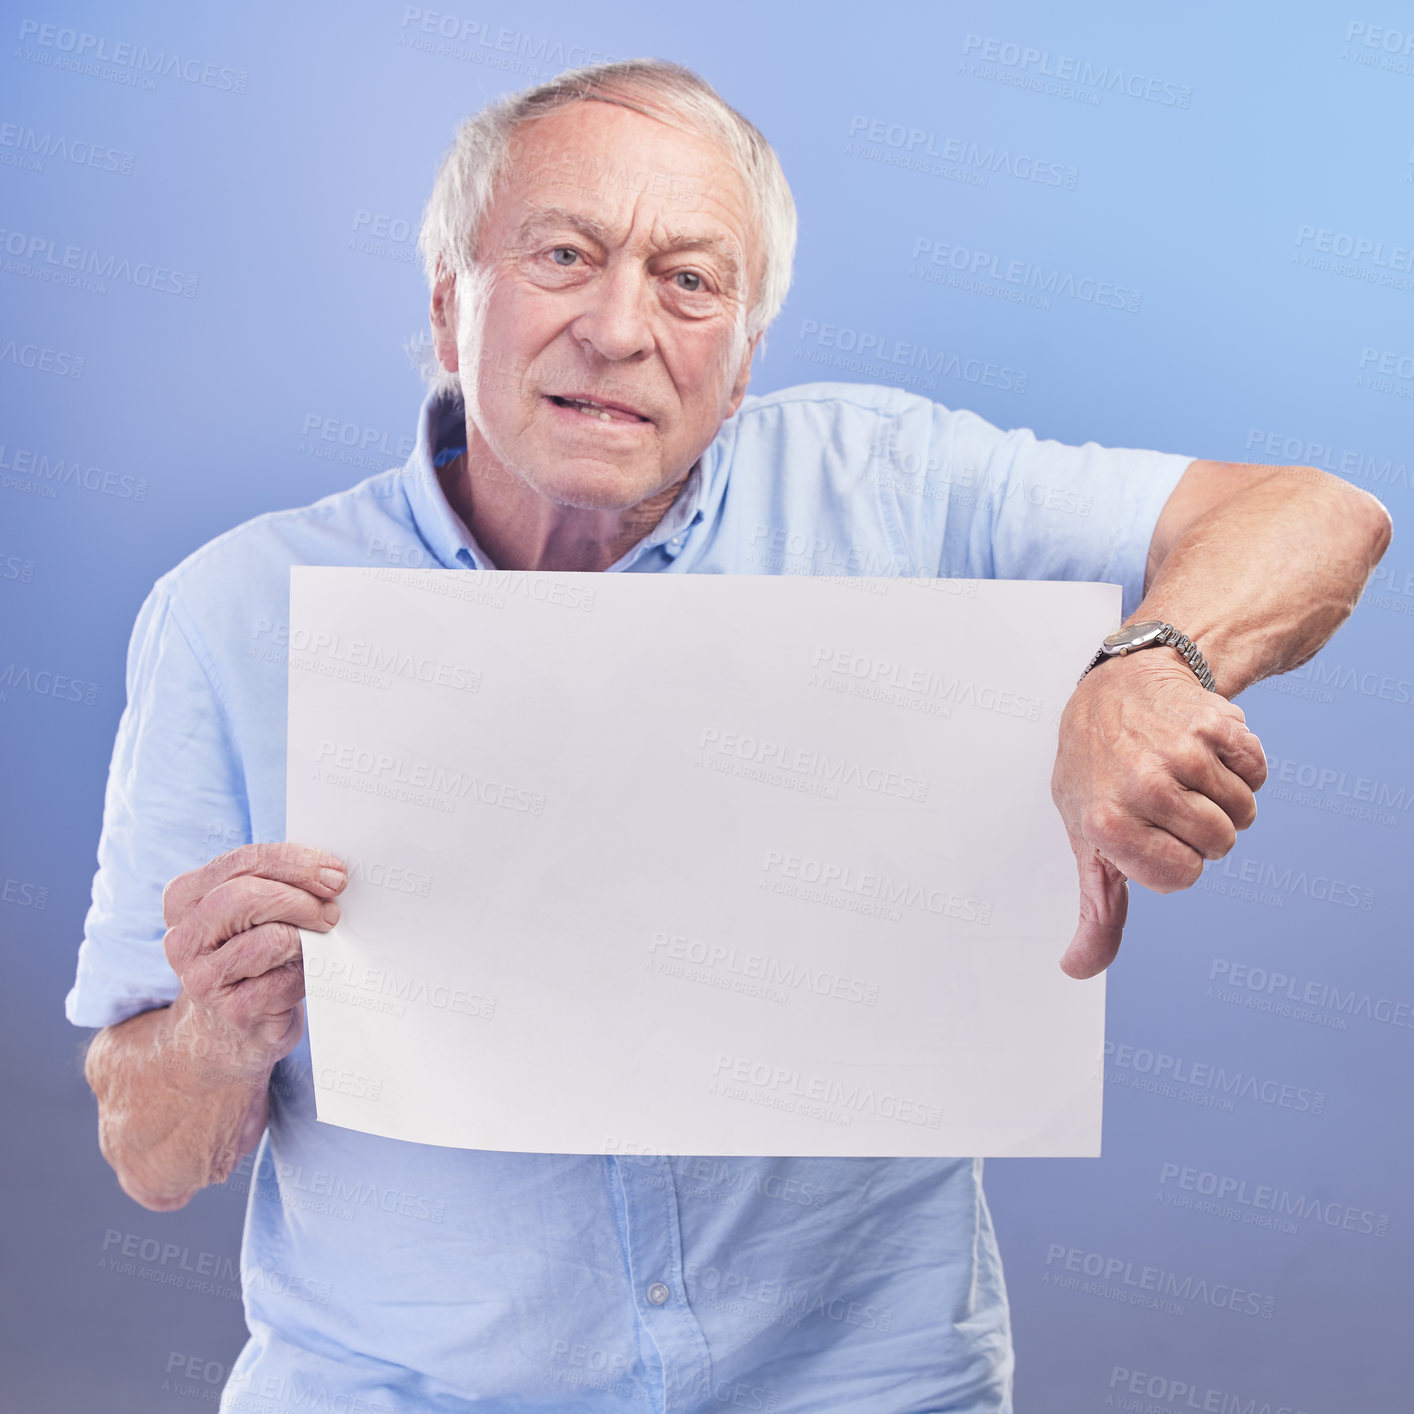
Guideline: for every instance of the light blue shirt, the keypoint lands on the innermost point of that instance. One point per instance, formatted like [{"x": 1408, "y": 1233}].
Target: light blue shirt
[{"x": 382, "y": 1276}]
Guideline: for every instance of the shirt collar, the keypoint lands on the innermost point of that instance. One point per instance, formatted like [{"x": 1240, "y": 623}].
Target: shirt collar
[
  {"x": 441, "y": 426},
  {"x": 441, "y": 432}
]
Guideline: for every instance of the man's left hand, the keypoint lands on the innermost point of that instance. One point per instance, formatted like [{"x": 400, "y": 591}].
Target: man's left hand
[{"x": 1154, "y": 775}]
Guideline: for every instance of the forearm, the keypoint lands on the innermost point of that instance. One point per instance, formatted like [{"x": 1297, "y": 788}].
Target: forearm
[
  {"x": 172, "y": 1116},
  {"x": 1262, "y": 580}
]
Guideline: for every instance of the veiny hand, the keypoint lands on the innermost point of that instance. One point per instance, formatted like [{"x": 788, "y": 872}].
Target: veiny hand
[
  {"x": 232, "y": 940},
  {"x": 1153, "y": 775}
]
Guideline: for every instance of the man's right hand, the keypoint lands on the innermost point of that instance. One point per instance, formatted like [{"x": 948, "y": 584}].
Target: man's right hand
[
  {"x": 232, "y": 940},
  {"x": 183, "y": 1090}
]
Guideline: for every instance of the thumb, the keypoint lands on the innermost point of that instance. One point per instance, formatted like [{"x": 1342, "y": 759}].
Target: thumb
[{"x": 1104, "y": 903}]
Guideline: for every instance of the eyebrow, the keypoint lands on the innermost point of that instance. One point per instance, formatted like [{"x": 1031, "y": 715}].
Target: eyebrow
[{"x": 544, "y": 217}]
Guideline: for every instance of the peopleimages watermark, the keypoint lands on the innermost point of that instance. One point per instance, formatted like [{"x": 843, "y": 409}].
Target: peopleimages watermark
[
  {"x": 1121, "y": 1279},
  {"x": 902, "y": 145},
  {"x": 1015, "y": 278},
  {"x": 494, "y": 588},
  {"x": 1365, "y": 258},
  {"x": 40, "y": 358},
  {"x": 1139, "y": 1392},
  {"x": 805, "y": 765},
  {"x": 864, "y": 890},
  {"x": 718, "y": 1180},
  {"x": 815, "y": 1096},
  {"x": 297, "y": 1079},
  {"x": 1379, "y": 47},
  {"x": 62, "y": 47},
  {"x": 12, "y": 567},
  {"x": 43, "y": 682},
  {"x": 43, "y": 258},
  {"x": 203, "y": 1377},
  {"x": 864, "y": 668},
  {"x": 1165, "y": 1072},
  {"x": 788, "y": 1303},
  {"x": 476, "y": 41},
  {"x": 1320, "y": 680},
  {"x": 1389, "y": 371},
  {"x": 591, "y": 1367},
  {"x": 1265, "y": 881},
  {"x": 23, "y": 894},
  {"x": 937, "y": 478},
  {"x": 384, "y": 660},
  {"x": 1337, "y": 791},
  {"x": 24, "y": 146},
  {"x": 729, "y": 965},
  {"x": 776, "y": 547},
  {"x": 1303, "y": 998},
  {"x": 1034, "y": 67},
  {"x": 385, "y": 986},
  {"x": 1390, "y": 586},
  {"x": 252, "y": 1392},
  {"x": 418, "y": 782},
  {"x": 351, "y": 436},
  {"x": 1352, "y": 464},
  {"x": 413, "y": 557},
  {"x": 170, "y": 1263},
  {"x": 337, "y": 1195},
  {"x": 395, "y": 878},
  {"x": 1265, "y": 1204},
  {"x": 376, "y": 233},
  {"x": 40, "y": 474},
  {"x": 910, "y": 365}
]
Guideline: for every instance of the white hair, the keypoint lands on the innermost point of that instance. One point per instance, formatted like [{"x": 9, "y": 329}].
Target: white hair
[{"x": 478, "y": 160}]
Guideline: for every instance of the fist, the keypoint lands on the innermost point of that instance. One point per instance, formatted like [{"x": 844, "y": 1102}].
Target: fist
[{"x": 1154, "y": 775}]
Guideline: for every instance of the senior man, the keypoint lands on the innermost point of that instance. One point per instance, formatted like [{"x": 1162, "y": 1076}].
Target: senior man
[{"x": 605, "y": 252}]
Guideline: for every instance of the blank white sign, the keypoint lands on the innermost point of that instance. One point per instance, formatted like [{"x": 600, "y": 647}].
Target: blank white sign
[{"x": 693, "y": 864}]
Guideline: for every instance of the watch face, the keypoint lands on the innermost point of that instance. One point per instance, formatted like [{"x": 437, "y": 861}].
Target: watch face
[{"x": 1139, "y": 635}]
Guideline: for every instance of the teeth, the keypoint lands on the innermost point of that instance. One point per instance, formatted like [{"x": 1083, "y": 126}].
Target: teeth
[{"x": 591, "y": 409}]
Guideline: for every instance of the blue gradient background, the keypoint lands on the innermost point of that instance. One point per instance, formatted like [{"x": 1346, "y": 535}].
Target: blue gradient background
[{"x": 298, "y": 327}]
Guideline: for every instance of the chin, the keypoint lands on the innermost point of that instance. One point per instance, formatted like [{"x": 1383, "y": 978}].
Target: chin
[{"x": 590, "y": 486}]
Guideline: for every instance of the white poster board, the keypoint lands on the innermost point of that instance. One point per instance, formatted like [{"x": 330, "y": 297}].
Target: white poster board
[{"x": 692, "y": 864}]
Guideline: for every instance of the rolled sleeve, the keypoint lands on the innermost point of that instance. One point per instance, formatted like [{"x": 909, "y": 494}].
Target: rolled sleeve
[
  {"x": 1020, "y": 507},
  {"x": 175, "y": 798}
]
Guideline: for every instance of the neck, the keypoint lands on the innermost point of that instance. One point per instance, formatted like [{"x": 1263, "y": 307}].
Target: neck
[{"x": 522, "y": 530}]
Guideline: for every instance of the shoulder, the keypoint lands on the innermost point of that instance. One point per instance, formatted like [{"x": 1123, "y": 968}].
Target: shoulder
[
  {"x": 230, "y": 598},
  {"x": 837, "y": 412},
  {"x": 840, "y": 399},
  {"x": 339, "y": 529},
  {"x": 856, "y": 426}
]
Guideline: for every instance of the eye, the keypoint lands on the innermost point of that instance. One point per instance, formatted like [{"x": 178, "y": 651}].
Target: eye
[
  {"x": 690, "y": 281},
  {"x": 569, "y": 253}
]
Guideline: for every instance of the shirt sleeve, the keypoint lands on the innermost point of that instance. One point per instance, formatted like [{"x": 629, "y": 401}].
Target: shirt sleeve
[
  {"x": 1015, "y": 506},
  {"x": 175, "y": 798}
]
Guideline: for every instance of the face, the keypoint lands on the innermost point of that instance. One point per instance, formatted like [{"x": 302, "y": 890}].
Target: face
[{"x": 605, "y": 343}]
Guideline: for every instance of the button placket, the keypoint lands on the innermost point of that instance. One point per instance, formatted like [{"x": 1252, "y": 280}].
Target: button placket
[{"x": 655, "y": 1268}]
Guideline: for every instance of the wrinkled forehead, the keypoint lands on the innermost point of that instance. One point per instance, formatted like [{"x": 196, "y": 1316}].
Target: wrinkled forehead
[{"x": 615, "y": 166}]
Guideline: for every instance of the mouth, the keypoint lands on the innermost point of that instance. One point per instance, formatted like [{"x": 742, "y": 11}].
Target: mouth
[{"x": 598, "y": 409}]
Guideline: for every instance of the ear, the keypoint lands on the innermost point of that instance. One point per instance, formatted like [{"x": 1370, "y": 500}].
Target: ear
[
  {"x": 743, "y": 376},
  {"x": 444, "y": 317}
]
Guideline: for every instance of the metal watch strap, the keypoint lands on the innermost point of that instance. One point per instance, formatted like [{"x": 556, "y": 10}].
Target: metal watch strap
[
  {"x": 1170, "y": 637},
  {"x": 1190, "y": 654}
]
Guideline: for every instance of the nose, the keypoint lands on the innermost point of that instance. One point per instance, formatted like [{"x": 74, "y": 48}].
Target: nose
[{"x": 615, "y": 321}]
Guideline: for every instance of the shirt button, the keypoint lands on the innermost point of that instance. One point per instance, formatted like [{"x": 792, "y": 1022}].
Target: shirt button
[{"x": 658, "y": 1293}]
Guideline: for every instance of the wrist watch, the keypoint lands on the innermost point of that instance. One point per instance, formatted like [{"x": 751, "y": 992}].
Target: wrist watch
[{"x": 1151, "y": 633}]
